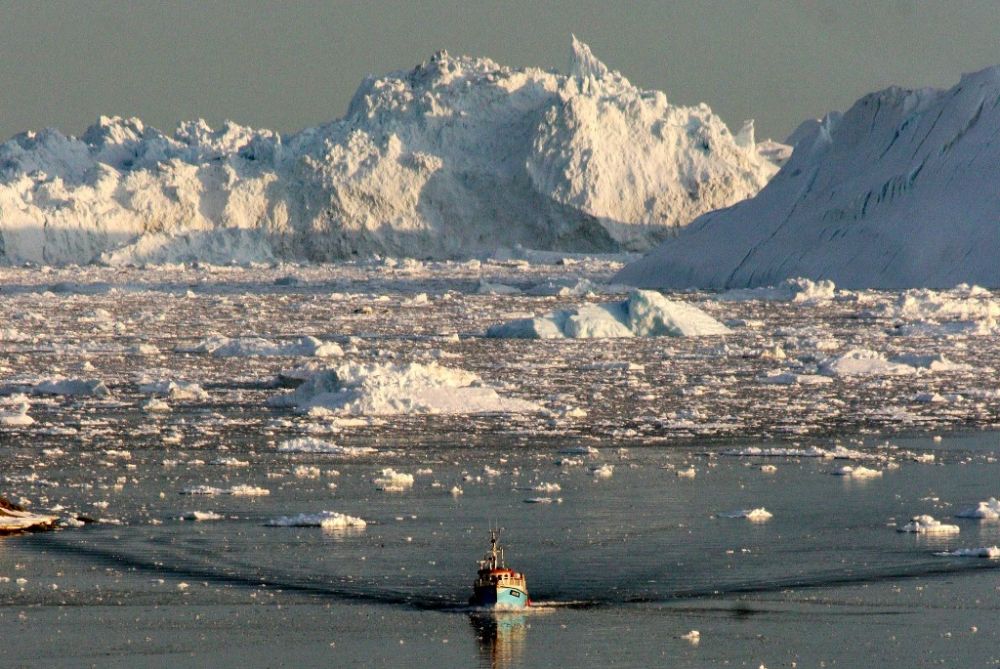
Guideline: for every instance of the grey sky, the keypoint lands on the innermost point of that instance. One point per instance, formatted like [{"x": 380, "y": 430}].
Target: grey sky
[{"x": 288, "y": 65}]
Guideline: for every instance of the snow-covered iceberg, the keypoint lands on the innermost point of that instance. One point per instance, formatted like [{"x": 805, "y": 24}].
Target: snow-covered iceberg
[
  {"x": 645, "y": 313},
  {"x": 898, "y": 192},
  {"x": 457, "y": 156},
  {"x": 384, "y": 388}
]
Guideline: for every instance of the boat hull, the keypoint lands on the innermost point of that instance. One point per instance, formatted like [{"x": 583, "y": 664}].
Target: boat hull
[{"x": 499, "y": 597}]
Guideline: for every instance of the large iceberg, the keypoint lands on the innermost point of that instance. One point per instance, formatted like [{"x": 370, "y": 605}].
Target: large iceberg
[
  {"x": 456, "y": 157},
  {"x": 645, "y": 313},
  {"x": 898, "y": 192}
]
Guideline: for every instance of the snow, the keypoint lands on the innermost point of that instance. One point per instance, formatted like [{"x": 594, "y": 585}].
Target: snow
[
  {"x": 898, "y": 192},
  {"x": 988, "y": 510},
  {"x": 459, "y": 156},
  {"x": 644, "y": 314},
  {"x": 925, "y": 524},
  {"x": 387, "y": 388},
  {"x": 327, "y": 520}
]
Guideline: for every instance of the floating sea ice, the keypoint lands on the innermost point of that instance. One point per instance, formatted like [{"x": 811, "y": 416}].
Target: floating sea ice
[
  {"x": 605, "y": 471},
  {"x": 245, "y": 347},
  {"x": 155, "y": 405},
  {"x": 547, "y": 487},
  {"x": 757, "y": 515},
  {"x": 991, "y": 552},
  {"x": 588, "y": 451},
  {"x": 925, "y": 524},
  {"x": 248, "y": 491},
  {"x": 644, "y": 314},
  {"x": 538, "y": 500},
  {"x": 231, "y": 462},
  {"x": 988, "y": 510},
  {"x": 390, "y": 480},
  {"x": 768, "y": 469},
  {"x": 14, "y": 411},
  {"x": 314, "y": 445},
  {"x": 456, "y": 491},
  {"x": 792, "y": 379},
  {"x": 778, "y": 452},
  {"x": 236, "y": 490},
  {"x": 385, "y": 389},
  {"x": 790, "y": 290},
  {"x": 487, "y": 288},
  {"x": 60, "y": 385},
  {"x": 175, "y": 390},
  {"x": 203, "y": 490},
  {"x": 202, "y": 516},
  {"x": 688, "y": 473},
  {"x": 858, "y": 472},
  {"x": 306, "y": 472},
  {"x": 863, "y": 362},
  {"x": 694, "y": 636},
  {"x": 328, "y": 520}
]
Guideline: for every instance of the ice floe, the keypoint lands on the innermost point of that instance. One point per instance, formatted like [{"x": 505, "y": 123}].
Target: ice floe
[
  {"x": 644, "y": 314},
  {"x": 242, "y": 347},
  {"x": 987, "y": 510},
  {"x": 387, "y": 388},
  {"x": 327, "y": 520},
  {"x": 14, "y": 411},
  {"x": 858, "y": 472},
  {"x": 990, "y": 552},
  {"x": 14, "y": 518},
  {"x": 925, "y": 524},
  {"x": 389, "y": 480},
  {"x": 314, "y": 445},
  {"x": 757, "y": 515}
]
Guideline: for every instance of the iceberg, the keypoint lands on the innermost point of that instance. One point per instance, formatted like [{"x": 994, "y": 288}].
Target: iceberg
[
  {"x": 645, "y": 313},
  {"x": 897, "y": 192},
  {"x": 359, "y": 389},
  {"x": 459, "y": 156}
]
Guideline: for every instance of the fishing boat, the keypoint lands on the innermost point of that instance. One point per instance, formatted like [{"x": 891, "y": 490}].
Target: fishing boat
[{"x": 496, "y": 586}]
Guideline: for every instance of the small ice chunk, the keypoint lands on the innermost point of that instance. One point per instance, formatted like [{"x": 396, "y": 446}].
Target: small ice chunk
[
  {"x": 758, "y": 515},
  {"x": 389, "y": 480},
  {"x": 925, "y": 524},
  {"x": 202, "y": 516},
  {"x": 858, "y": 472},
  {"x": 988, "y": 510},
  {"x": 327, "y": 520},
  {"x": 991, "y": 552}
]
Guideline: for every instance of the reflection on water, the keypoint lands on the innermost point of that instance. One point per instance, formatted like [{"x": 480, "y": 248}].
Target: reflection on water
[{"x": 501, "y": 637}]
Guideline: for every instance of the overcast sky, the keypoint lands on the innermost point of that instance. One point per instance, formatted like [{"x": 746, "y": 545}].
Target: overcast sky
[{"x": 293, "y": 64}]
